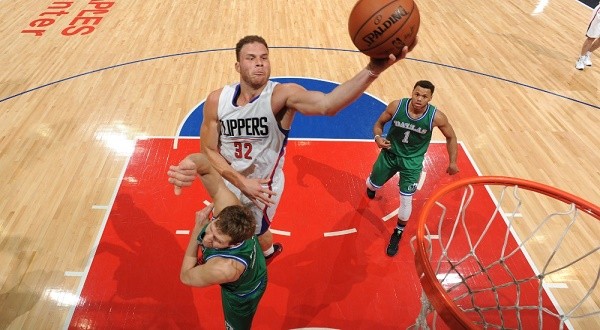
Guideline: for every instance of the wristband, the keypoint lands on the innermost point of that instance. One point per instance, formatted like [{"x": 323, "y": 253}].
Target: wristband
[{"x": 376, "y": 136}]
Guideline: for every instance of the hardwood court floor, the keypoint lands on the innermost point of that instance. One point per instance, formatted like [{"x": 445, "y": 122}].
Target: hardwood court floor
[{"x": 504, "y": 72}]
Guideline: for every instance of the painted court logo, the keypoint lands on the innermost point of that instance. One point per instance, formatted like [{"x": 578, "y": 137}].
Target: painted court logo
[{"x": 79, "y": 21}]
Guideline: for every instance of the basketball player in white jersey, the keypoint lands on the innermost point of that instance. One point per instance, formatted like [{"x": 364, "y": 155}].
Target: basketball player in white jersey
[
  {"x": 245, "y": 128},
  {"x": 592, "y": 40}
]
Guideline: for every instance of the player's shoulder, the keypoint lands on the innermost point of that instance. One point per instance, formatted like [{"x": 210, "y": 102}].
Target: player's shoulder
[
  {"x": 439, "y": 117},
  {"x": 214, "y": 95},
  {"x": 216, "y": 92},
  {"x": 229, "y": 269},
  {"x": 284, "y": 91},
  {"x": 288, "y": 88},
  {"x": 394, "y": 104},
  {"x": 438, "y": 111}
]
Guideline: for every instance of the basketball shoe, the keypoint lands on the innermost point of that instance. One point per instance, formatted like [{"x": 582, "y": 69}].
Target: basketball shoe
[
  {"x": 587, "y": 60},
  {"x": 580, "y": 65},
  {"x": 278, "y": 248},
  {"x": 370, "y": 193},
  {"x": 392, "y": 248}
]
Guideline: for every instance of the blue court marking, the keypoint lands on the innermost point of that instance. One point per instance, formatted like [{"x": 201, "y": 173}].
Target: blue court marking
[{"x": 290, "y": 47}]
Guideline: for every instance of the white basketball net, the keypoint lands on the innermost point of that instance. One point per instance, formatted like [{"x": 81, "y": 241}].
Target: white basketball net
[{"x": 482, "y": 269}]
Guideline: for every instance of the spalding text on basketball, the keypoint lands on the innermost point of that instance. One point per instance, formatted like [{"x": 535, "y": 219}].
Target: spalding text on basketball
[{"x": 381, "y": 28}]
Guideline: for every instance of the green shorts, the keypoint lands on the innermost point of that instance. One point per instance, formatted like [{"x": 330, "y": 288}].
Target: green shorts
[
  {"x": 388, "y": 164},
  {"x": 239, "y": 311}
]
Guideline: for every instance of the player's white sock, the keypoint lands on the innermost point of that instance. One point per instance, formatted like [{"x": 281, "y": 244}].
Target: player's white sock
[
  {"x": 269, "y": 251},
  {"x": 405, "y": 208}
]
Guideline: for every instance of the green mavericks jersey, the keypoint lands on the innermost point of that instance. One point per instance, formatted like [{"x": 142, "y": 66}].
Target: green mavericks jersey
[
  {"x": 249, "y": 254},
  {"x": 410, "y": 137}
]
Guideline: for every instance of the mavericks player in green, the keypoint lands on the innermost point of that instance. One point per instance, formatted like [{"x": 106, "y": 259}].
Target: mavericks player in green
[
  {"x": 231, "y": 254},
  {"x": 404, "y": 147}
]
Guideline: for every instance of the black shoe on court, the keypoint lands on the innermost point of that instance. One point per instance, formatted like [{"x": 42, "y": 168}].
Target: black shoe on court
[
  {"x": 392, "y": 248},
  {"x": 370, "y": 193},
  {"x": 277, "y": 249}
]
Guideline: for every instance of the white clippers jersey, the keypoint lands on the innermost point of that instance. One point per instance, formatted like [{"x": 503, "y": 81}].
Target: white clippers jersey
[
  {"x": 250, "y": 137},
  {"x": 252, "y": 142}
]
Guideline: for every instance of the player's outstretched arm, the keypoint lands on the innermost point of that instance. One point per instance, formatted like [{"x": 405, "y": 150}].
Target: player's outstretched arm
[{"x": 318, "y": 103}]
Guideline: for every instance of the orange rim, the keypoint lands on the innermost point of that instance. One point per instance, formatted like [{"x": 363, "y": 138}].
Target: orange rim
[{"x": 453, "y": 316}]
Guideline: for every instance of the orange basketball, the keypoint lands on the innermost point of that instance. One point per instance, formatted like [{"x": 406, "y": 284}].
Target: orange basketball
[{"x": 379, "y": 28}]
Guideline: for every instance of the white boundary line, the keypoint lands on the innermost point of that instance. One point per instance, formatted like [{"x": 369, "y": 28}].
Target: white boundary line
[
  {"x": 280, "y": 232},
  {"x": 92, "y": 253},
  {"x": 340, "y": 232},
  {"x": 556, "y": 285},
  {"x": 391, "y": 215},
  {"x": 73, "y": 274}
]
